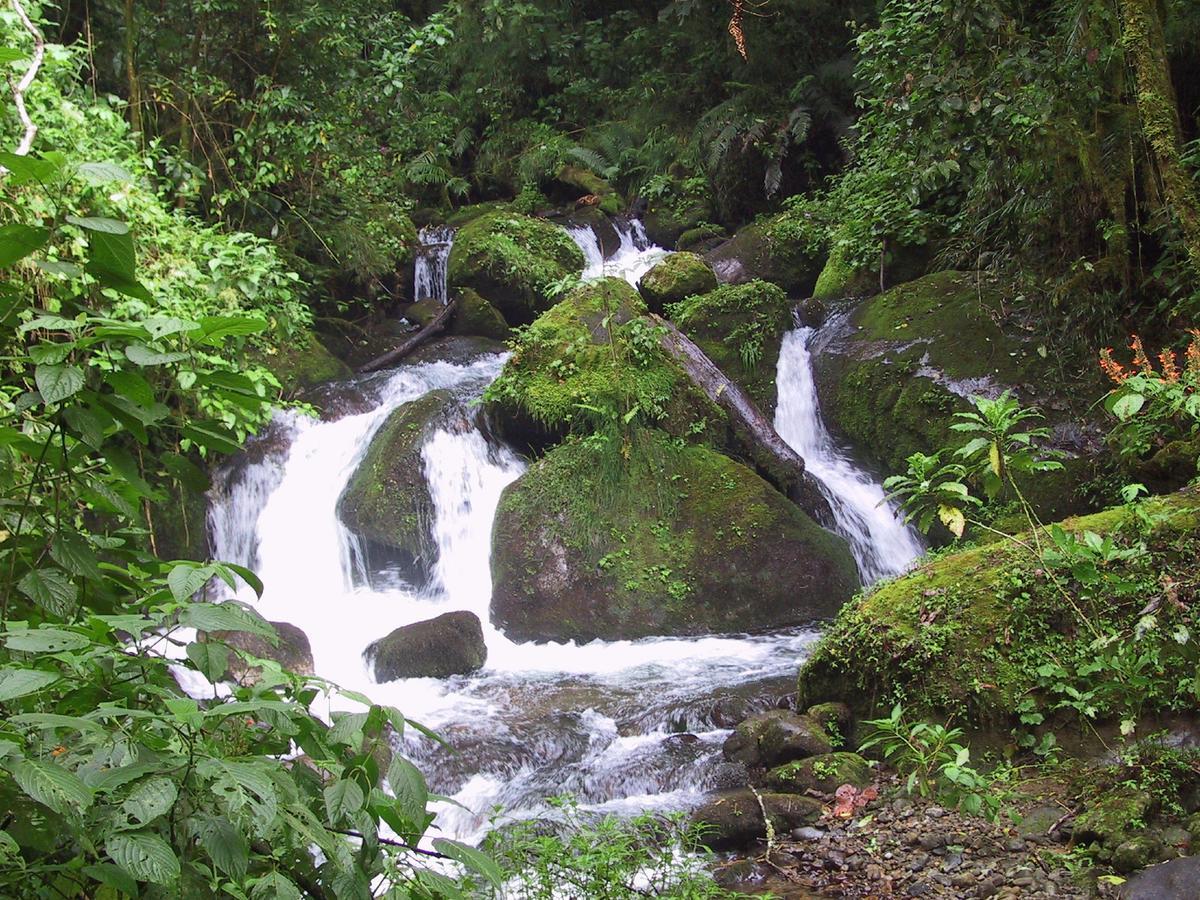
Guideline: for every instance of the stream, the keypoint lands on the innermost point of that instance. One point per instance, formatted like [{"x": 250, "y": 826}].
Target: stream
[{"x": 624, "y": 726}]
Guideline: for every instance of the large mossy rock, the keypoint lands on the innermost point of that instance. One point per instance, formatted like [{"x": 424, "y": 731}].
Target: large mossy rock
[
  {"x": 768, "y": 250},
  {"x": 451, "y": 644},
  {"x": 387, "y": 502},
  {"x": 656, "y": 538},
  {"x": 588, "y": 361},
  {"x": 774, "y": 737},
  {"x": 676, "y": 277},
  {"x": 476, "y": 317},
  {"x": 963, "y": 636},
  {"x": 893, "y": 377},
  {"x": 733, "y": 820},
  {"x": 824, "y": 774},
  {"x": 300, "y": 362},
  {"x": 740, "y": 327},
  {"x": 513, "y": 260}
]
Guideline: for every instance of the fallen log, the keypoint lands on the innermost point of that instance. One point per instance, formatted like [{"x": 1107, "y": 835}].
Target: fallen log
[
  {"x": 437, "y": 326},
  {"x": 753, "y": 432}
]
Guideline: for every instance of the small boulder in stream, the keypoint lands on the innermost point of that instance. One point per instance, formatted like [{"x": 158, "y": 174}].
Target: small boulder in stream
[
  {"x": 387, "y": 503},
  {"x": 451, "y": 644},
  {"x": 733, "y": 820},
  {"x": 776, "y": 737},
  {"x": 293, "y": 651},
  {"x": 676, "y": 277}
]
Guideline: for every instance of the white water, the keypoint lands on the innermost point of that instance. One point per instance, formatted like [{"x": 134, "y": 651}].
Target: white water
[
  {"x": 882, "y": 544},
  {"x": 623, "y": 725},
  {"x": 429, "y": 269},
  {"x": 634, "y": 257}
]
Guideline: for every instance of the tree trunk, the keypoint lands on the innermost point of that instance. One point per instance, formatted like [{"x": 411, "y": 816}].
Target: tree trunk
[
  {"x": 1146, "y": 49},
  {"x": 135, "y": 89},
  {"x": 437, "y": 326}
]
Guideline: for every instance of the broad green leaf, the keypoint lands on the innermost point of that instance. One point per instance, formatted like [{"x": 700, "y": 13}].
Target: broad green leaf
[
  {"x": 161, "y": 326},
  {"x": 145, "y": 856},
  {"x": 131, "y": 386},
  {"x": 472, "y": 859},
  {"x": 348, "y": 728},
  {"x": 59, "y": 267},
  {"x": 408, "y": 787},
  {"x": 214, "y": 329},
  {"x": 141, "y": 355},
  {"x": 225, "y": 845},
  {"x": 113, "y": 876},
  {"x": 1127, "y": 406},
  {"x": 16, "y": 683},
  {"x": 51, "y": 353},
  {"x": 18, "y": 241},
  {"x": 57, "y": 383},
  {"x": 212, "y": 659},
  {"x": 99, "y": 223},
  {"x": 439, "y": 885},
  {"x": 24, "y": 169},
  {"x": 994, "y": 459},
  {"x": 185, "y": 580},
  {"x": 111, "y": 261},
  {"x": 73, "y": 553},
  {"x": 212, "y": 436},
  {"x": 228, "y": 616},
  {"x": 44, "y": 640},
  {"x": 88, "y": 423},
  {"x": 10, "y": 55},
  {"x": 51, "y": 589},
  {"x": 952, "y": 517},
  {"x": 55, "y": 721},
  {"x": 343, "y": 798},
  {"x": 186, "y": 472},
  {"x": 51, "y": 785},
  {"x": 274, "y": 886},
  {"x": 150, "y": 799},
  {"x": 103, "y": 173},
  {"x": 50, "y": 323}
]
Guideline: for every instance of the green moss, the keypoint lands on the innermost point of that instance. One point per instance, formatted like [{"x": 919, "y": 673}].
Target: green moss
[
  {"x": 513, "y": 260},
  {"x": 964, "y": 634},
  {"x": 740, "y": 328},
  {"x": 824, "y": 773},
  {"x": 700, "y": 233},
  {"x": 626, "y": 537},
  {"x": 839, "y": 279},
  {"x": 779, "y": 249},
  {"x": 594, "y": 359},
  {"x": 1113, "y": 820},
  {"x": 300, "y": 362},
  {"x": 475, "y": 316},
  {"x": 676, "y": 277}
]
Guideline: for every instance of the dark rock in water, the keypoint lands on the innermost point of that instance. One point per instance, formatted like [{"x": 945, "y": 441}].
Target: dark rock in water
[
  {"x": 666, "y": 225},
  {"x": 676, "y": 277},
  {"x": 513, "y": 260},
  {"x": 776, "y": 737},
  {"x": 733, "y": 820},
  {"x": 669, "y": 541},
  {"x": 451, "y": 644},
  {"x": 760, "y": 251},
  {"x": 811, "y": 312},
  {"x": 824, "y": 773},
  {"x": 293, "y": 653},
  {"x": 457, "y": 349},
  {"x": 475, "y": 316},
  {"x": 387, "y": 501},
  {"x": 1178, "y": 879}
]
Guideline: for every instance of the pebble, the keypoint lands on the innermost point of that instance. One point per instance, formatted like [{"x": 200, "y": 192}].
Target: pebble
[
  {"x": 932, "y": 841},
  {"x": 935, "y": 812},
  {"x": 807, "y": 833}
]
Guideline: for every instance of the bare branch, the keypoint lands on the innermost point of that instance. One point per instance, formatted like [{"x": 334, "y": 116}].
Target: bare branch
[{"x": 19, "y": 89}]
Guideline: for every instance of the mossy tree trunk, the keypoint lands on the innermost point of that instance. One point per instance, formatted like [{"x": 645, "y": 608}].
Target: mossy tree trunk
[{"x": 1146, "y": 49}]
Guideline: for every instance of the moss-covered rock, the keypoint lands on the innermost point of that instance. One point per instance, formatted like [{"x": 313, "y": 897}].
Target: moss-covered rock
[
  {"x": 513, "y": 260},
  {"x": 677, "y": 276},
  {"x": 840, "y": 278},
  {"x": 590, "y": 361},
  {"x": 299, "y": 362},
  {"x": 964, "y": 635},
  {"x": 579, "y": 182},
  {"x": 476, "y": 317},
  {"x": 769, "y": 251},
  {"x": 1114, "y": 819},
  {"x": 701, "y": 239},
  {"x": 451, "y": 644},
  {"x": 733, "y": 820},
  {"x": 909, "y": 359},
  {"x": 774, "y": 737},
  {"x": 387, "y": 501},
  {"x": 825, "y": 774},
  {"x": 740, "y": 327},
  {"x": 837, "y": 720},
  {"x": 666, "y": 223},
  {"x": 636, "y": 536}
]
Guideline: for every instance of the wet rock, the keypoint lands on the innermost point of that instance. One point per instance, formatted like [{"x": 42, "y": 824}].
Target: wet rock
[
  {"x": 1178, "y": 879},
  {"x": 476, "y": 316},
  {"x": 733, "y": 819},
  {"x": 776, "y": 737},
  {"x": 676, "y": 277},
  {"x": 824, "y": 773},
  {"x": 1109, "y": 821},
  {"x": 293, "y": 651},
  {"x": 458, "y": 349},
  {"x": 811, "y": 312},
  {"x": 451, "y": 644},
  {"x": 762, "y": 251},
  {"x": 1037, "y": 823}
]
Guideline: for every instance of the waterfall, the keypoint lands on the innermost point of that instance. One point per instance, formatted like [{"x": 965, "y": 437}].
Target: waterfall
[
  {"x": 634, "y": 256},
  {"x": 881, "y": 543},
  {"x": 430, "y": 267}
]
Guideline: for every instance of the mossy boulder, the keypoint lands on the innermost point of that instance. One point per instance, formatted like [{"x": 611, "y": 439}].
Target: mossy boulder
[
  {"x": 451, "y": 644},
  {"x": 299, "y": 362},
  {"x": 592, "y": 359},
  {"x": 701, "y": 239},
  {"x": 513, "y": 260},
  {"x": 677, "y": 276},
  {"x": 963, "y": 636},
  {"x": 1113, "y": 819},
  {"x": 733, "y": 820},
  {"x": 768, "y": 250},
  {"x": 775, "y": 737},
  {"x": 740, "y": 327},
  {"x": 387, "y": 502},
  {"x": 291, "y": 650},
  {"x": 824, "y": 774},
  {"x": 836, "y": 719},
  {"x": 892, "y": 379},
  {"x": 577, "y": 182},
  {"x": 476, "y": 317},
  {"x": 841, "y": 278},
  {"x": 637, "y": 536},
  {"x": 666, "y": 223}
]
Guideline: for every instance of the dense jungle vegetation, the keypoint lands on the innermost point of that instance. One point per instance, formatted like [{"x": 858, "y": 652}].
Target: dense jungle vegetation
[{"x": 204, "y": 202}]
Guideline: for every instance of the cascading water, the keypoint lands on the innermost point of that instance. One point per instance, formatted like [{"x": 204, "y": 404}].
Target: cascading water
[
  {"x": 882, "y": 544},
  {"x": 634, "y": 256},
  {"x": 433, "y": 256},
  {"x": 621, "y": 725}
]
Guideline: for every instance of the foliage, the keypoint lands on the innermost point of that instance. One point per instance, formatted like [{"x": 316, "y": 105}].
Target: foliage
[{"x": 1153, "y": 408}]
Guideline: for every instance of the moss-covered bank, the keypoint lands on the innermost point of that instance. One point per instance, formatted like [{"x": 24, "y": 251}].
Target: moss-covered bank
[{"x": 653, "y": 536}]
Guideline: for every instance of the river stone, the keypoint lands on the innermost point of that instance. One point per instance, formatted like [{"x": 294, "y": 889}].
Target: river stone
[
  {"x": 758, "y": 251},
  {"x": 451, "y": 644},
  {"x": 1137, "y": 853},
  {"x": 733, "y": 820},
  {"x": 387, "y": 501},
  {"x": 836, "y": 719},
  {"x": 1178, "y": 879},
  {"x": 1109, "y": 821},
  {"x": 776, "y": 737},
  {"x": 475, "y": 316},
  {"x": 293, "y": 652},
  {"x": 675, "y": 277},
  {"x": 825, "y": 774},
  {"x": 669, "y": 541}
]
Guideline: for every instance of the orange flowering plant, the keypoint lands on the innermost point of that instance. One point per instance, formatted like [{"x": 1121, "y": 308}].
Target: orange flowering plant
[{"x": 1154, "y": 405}]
